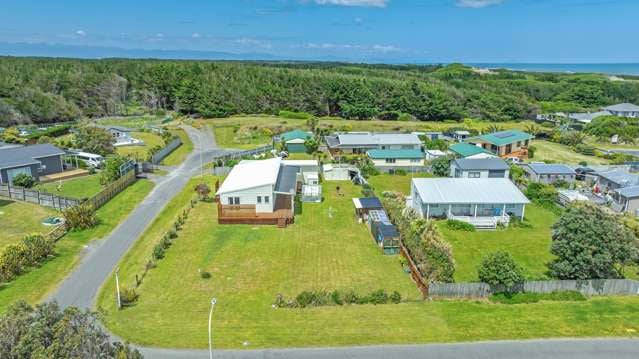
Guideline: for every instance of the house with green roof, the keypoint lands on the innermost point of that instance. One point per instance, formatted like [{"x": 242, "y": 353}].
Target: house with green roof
[
  {"x": 467, "y": 150},
  {"x": 505, "y": 144},
  {"x": 396, "y": 159},
  {"x": 294, "y": 140}
]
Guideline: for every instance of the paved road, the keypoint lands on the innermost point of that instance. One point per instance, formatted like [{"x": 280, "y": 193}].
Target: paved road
[
  {"x": 80, "y": 288},
  {"x": 533, "y": 349}
]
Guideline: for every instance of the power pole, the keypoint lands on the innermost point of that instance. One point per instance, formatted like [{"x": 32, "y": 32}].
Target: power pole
[{"x": 117, "y": 288}]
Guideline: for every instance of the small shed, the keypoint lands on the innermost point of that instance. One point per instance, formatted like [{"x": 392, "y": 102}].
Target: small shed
[
  {"x": 311, "y": 193},
  {"x": 363, "y": 206},
  {"x": 386, "y": 236},
  {"x": 294, "y": 140}
]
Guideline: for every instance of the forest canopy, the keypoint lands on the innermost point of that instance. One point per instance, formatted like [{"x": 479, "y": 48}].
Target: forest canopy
[{"x": 44, "y": 90}]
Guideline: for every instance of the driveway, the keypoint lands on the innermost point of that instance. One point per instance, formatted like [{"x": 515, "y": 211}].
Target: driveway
[
  {"x": 533, "y": 349},
  {"x": 80, "y": 288}
]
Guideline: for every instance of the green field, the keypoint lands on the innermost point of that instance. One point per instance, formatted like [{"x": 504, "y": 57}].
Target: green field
[
  {"x": 134, "y": 122},
  {"x": 19, "y": 219},
  {"x": 35, "y": 285},
  {"x": 81, "y": 187},
  {"x": 251, "y": 264},
  {"x": 388, "y": 182},
  {"x": 179, "y": 154},
  {"x": 246, "y": 131},
  {"x": 530, "y": 247},
  {"x": 556, "y": 152},
  {"x": 141, "y": 152}
]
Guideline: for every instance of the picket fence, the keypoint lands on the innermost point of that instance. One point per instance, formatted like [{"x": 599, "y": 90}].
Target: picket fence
[{"x": 592, "y": 287}]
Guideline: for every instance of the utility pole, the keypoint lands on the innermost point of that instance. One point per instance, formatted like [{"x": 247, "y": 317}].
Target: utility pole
[
  {"x": 117, "y": 287},
  {"x": 213, "y": 301}
]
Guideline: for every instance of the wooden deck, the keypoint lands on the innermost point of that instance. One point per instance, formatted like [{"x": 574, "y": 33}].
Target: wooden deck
[
  {"x": 65, "y": 175},
  {"x": 245, "y": 214}
]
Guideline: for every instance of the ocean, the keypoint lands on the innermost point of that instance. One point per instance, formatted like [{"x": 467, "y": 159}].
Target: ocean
[{"x": 610, "y": 68}]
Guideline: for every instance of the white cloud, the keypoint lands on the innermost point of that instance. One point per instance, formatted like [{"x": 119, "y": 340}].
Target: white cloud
[
  {"x": 81, "y": 33},
  {"x": 195, "y": 35},
  {"x": 349, "y": 47},
  {"x": 254, "y": 43},
  {"x": 385, "y": 48},
  {"x": 366, "y": 3},
  {"x": 476, "y": 4}
]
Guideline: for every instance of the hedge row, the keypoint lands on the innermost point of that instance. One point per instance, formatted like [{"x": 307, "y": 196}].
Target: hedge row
[{"x": 309, "y": 298}]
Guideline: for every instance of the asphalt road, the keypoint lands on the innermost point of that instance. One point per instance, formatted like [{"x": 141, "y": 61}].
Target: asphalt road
[
  {"x": 100, "y": 258},
  {"x": 533, "y": 349}
]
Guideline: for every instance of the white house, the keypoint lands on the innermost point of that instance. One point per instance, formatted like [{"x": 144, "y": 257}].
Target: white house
[
  {"x": 121, "y": 135},
  {"x": 361, "y": 142},
  {"x": 482, "y": 202},
  {"x": 433, "y": 154},
  {"x": 396, "y": 158},
  {"x": 479, "y": 168}
]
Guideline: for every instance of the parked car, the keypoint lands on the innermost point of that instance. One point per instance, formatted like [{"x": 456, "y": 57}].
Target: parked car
[{"x": 582, "y": 172}]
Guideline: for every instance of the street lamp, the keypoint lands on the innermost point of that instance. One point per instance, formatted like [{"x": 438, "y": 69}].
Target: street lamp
[{"x": 213, "y": 301}]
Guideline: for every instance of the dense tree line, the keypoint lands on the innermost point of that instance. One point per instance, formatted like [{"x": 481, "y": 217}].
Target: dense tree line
[{"x": 53, "y": 90}]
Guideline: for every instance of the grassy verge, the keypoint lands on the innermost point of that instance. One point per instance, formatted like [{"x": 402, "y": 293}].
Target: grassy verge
[
  {"x": 556, "y": 152},
  {"x": 38, "y": 283},
  {"x": 141, "y": 151},
  {"x": 19, "y": 219},
  {"x": 81, "y": 187},
  {"x": 529, "y": 246},
  {"x": 179, "y": 154}
]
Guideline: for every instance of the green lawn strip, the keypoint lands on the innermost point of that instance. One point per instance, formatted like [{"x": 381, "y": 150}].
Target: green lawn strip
[
  {"x": 141, "y": 151},
  {"x": 18, "y": 219},
  {"x": 226, "y": 137},
  {"x": 35, "y": 285},
  {"x": 556, "y": 152},
  {"x": 179, "y": 154},
  {"x": 81, "y": 187},
  {"x": 530, "y": 247},
  {"x": 250, "y": 265},
  {"x": 387, "y": 182}
]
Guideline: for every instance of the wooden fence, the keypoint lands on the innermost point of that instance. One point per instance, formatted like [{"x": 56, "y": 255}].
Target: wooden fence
[
  {"x": 37, "y": 197},
  {"x": 166, "y": 150},
  {"x": 592, "y": 287},
  {"x": 112, "y": 190}
]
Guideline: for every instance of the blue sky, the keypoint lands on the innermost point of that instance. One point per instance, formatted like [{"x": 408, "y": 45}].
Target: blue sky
[{"x": 370, "y": 30}]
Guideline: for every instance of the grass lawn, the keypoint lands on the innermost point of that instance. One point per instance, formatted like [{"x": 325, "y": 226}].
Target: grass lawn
[
  {"x": 81, "y": 187},
  {"x": 556, "y": 152},
  {"x": 35, "y": 285},
  {"x": 300, "y": 156},
  {"x": 529, "y": 246},
  {"x": 179, "y": 154},
  {"x": 251, "y": 264},
  {"x": 19, "y": 219},
  {"x": 387, "y": 182},
  {"x": 227, "y": 129},
  {"x": 136, "y": 122},
  {"x": 140, "y": 152}
]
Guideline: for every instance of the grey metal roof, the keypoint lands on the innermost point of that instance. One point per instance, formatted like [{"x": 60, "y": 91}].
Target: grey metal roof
[
  {"x": 623, "y": 107},
  {"x": 481, "y": 164},
  {"x": 370, "y": 203},
  {"x": 372, "y": 139},
  {"x": 550, "y": 169},
  {"x": 629, "y": 192},
  {"x": 4, "y": 145},
  {"x": 620, "y": 177},
  {"x": 27, "y": 155},
  {"x": 287, "y": 179},
  {"x": 468, "y": 191},
  {"x": 117, "y": 128}
]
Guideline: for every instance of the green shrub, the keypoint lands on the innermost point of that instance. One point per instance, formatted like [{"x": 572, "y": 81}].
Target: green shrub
[
  {"x": 350, "y": 297},
  {"x": 17, "y": 258},
  {"x": 379, "y": 297},
  {"x": 523, "y": 298},
  {"x": 456, "y": 225},
  {"x": 172, "y": 234},
  {"x": 23, "y": 180},
  {"x": 158, "y": 251},
  {"x": 128, "y": 296},
  {"x": 395, "y": 297},
  {"x": 500, "y": 269},
  {"x": 336, "y": 297},
  {"x": 80, "y": 217},
  {"x": 205, "y": 274}
]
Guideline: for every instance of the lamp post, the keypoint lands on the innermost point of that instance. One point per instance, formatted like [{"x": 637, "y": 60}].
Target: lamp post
[{"x": 213, "y": 301}]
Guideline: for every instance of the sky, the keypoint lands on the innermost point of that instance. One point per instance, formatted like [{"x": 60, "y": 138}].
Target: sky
[{"x": 416, "y": 31}]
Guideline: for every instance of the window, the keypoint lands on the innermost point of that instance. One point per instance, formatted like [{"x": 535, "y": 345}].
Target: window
[
  {"x": 474, "y": 174},
  {"x": 415, "y": 160},
  {"x": 390, "y": 160},
  {"x": 259, "y": 199},
  {"x": 496, "y": 174},
  {"x": 266, "y": 199},
  {"x": 234, "y": 200},
  {"x": 457, "y": 172}
]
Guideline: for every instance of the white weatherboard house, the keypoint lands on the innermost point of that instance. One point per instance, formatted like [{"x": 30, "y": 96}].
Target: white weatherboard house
[
  {"x": 258, "y": 191},
  {"x": 396, "y": 158},
  {"x": 482, "y": 202},
  {"x": 361, "y": 142}
]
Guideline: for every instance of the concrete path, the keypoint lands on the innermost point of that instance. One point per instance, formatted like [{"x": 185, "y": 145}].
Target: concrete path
[
  {"x": 80, "y": 288},
  {"x": 533, "y": 349}
]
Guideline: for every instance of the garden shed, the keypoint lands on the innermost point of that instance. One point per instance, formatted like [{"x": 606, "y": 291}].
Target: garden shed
[
  {"x": 384, "y": 233},
  {"x": 365, "y": 205}
]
